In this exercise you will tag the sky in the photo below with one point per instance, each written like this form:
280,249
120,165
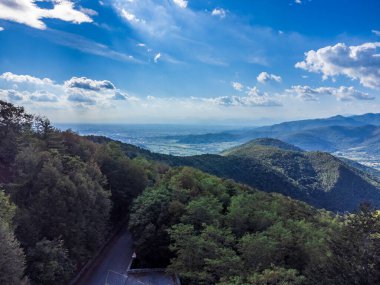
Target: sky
190,61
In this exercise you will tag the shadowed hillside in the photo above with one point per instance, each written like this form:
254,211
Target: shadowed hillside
271,165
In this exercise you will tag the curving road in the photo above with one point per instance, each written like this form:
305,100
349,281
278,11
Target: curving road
113,260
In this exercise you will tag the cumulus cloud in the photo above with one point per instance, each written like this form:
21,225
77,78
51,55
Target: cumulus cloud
341,93
252,98
376,32
1,29
237,86
11,77
89,84
11,95
181,3
219,12
356,62
28,12
77,91
120,96
36,96
43,96
265,77
298,1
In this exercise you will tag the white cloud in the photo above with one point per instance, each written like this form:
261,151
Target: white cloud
1,29
88,11
29,13
376,32
341,93
10,77
181,3
356,62
89,84
157,57
73,92
130,17
237,86
219,12
253,98
298,1
265,77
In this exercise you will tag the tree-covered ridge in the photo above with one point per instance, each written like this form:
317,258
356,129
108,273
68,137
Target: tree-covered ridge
317,178
215,231
69,193
265,142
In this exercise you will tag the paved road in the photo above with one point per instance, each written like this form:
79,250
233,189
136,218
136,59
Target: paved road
116,258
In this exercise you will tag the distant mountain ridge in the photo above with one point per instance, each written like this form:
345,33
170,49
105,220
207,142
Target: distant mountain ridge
282,130
337,133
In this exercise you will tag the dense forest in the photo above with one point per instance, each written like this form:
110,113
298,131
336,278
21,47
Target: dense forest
62,195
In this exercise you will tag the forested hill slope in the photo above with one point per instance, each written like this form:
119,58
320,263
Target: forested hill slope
328,181
317,178
251,147
61,195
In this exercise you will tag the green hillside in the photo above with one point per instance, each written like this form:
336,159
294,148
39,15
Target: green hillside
62,194
250,147
270,165
327,181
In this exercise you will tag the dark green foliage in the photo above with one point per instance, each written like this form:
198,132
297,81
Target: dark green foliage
12,258
13,122
217,229
49,263
355,252
125,179
63,186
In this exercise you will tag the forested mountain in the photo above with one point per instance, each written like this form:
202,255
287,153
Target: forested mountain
67,194
214,231
61,195
270,165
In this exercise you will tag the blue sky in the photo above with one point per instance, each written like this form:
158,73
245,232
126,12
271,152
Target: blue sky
196,61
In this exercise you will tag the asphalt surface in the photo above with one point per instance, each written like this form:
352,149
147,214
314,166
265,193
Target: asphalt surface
113,261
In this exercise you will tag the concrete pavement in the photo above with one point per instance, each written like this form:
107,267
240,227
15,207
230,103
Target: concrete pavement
113,261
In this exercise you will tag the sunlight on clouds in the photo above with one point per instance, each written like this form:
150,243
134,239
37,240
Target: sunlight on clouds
29,13
360,62
265,77
253,98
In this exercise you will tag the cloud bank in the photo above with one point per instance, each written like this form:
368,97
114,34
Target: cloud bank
341,93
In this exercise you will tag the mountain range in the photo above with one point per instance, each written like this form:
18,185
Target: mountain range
338,133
